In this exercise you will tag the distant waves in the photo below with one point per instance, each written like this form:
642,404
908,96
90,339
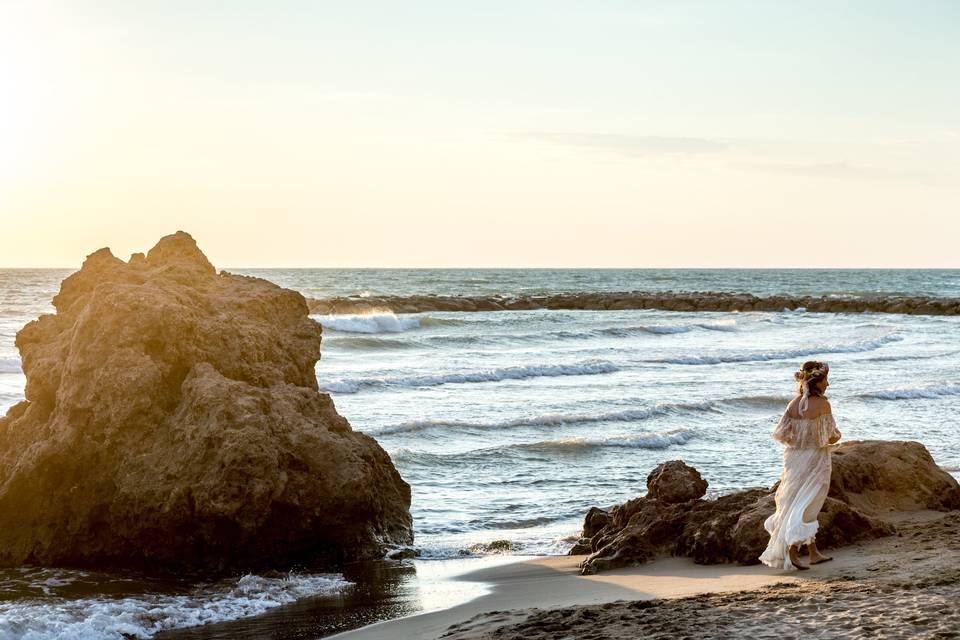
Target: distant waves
588,367
854,346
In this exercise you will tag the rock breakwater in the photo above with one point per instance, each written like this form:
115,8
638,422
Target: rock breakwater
695,301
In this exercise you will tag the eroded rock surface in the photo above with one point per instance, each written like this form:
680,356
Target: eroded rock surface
172,421
870,479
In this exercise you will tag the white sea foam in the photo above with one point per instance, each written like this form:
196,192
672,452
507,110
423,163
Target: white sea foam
759,356
10,365
910,393
551,419
370,323
586,368
143,616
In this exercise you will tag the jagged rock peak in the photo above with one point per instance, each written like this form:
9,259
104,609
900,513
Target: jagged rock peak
179,247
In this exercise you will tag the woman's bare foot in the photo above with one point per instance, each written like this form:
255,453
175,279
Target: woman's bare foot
815,556
795,558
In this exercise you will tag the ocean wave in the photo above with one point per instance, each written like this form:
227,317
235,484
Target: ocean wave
10,365
553,419
910,393
919,356
143,616
367,343
369,323
641,441
586,368
657,329
850,347
572,445
761,401
719,325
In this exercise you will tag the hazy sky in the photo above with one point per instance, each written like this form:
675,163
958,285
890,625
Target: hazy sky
516,133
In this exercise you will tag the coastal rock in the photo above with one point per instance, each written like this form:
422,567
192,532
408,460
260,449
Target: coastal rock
595,520
675,481
878,476
173,421
870,479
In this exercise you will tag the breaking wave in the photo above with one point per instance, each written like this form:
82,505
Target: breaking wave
586,368
553,419
911,393
850,347
641,441
369,323
144,615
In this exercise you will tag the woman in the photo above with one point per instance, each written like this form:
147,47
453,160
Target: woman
807,429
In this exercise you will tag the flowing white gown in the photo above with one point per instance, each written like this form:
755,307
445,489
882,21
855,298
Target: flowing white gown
803,485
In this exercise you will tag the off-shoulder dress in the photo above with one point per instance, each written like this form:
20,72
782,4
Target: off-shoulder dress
803,485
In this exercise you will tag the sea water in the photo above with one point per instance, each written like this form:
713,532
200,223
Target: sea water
510,425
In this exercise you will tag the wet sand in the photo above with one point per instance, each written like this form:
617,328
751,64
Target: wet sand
904,586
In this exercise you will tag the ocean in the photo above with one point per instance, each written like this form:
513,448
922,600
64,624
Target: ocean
510,425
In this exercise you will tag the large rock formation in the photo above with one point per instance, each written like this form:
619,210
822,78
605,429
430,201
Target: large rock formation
870,479
172,421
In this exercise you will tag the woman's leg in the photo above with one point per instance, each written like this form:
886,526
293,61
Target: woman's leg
815,556
795,557
809,515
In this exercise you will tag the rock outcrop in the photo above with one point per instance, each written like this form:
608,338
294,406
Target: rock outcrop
675,481
619,300
870,479
173,421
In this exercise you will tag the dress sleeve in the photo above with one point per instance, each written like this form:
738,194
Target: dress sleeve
828,429
784,432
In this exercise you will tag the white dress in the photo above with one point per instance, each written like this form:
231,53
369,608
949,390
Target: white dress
803,485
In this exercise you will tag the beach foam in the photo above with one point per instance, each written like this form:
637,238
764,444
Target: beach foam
143,616
369,323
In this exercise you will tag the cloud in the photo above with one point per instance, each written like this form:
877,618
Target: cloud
632,145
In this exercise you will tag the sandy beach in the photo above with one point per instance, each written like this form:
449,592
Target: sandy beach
903,586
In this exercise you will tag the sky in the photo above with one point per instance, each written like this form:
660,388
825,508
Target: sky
513,133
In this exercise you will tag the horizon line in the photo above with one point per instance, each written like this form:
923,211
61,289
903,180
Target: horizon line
530,268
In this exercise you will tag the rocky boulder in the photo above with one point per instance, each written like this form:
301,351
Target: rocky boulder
173,421
675,481
870,479
880,476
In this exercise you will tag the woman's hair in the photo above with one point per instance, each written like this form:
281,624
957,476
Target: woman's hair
810,375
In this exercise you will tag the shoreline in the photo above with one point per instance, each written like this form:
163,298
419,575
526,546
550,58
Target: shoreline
546,598
629,300
554,581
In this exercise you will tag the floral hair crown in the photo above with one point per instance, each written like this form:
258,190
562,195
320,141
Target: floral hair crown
821,369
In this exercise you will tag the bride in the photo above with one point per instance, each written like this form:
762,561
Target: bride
807,428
